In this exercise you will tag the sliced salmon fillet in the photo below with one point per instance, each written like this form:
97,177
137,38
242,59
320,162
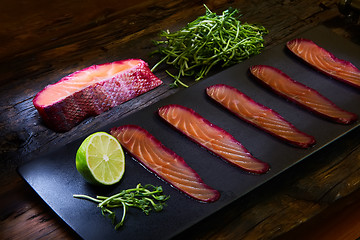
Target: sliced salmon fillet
301,94
258,115
325,61
91,91
163,162
212,137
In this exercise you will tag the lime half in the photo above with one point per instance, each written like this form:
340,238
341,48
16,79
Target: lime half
100,159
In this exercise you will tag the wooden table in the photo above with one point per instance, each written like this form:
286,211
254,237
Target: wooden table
42,41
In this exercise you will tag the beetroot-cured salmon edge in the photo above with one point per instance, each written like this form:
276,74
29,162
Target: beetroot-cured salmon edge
338,120
305,145
52,121
65,78
332,56
266,166
172,153
47,113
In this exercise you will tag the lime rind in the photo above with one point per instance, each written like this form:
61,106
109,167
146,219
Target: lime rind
100,159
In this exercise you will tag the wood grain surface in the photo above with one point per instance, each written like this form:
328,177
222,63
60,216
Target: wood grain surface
42,41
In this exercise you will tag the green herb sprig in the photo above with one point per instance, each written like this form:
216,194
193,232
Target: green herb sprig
146,198
208,41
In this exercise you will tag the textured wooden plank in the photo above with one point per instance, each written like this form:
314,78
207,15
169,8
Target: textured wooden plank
51,40
25,216
339,221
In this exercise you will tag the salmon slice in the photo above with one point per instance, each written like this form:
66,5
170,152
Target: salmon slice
212,137
258,115
163,162
301,94
325,61
91,91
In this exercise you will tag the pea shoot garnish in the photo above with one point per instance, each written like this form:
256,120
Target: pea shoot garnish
208,41
146,198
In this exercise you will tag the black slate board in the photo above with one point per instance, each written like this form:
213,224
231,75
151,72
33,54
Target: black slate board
55,179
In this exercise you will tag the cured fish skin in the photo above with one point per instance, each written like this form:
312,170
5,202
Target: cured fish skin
211,137
324,61
301,94
258,115
91,91
163,162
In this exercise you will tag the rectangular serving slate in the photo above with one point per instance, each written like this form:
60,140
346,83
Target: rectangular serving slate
55,179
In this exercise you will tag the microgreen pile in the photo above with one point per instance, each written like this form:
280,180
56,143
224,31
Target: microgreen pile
208,41
146,198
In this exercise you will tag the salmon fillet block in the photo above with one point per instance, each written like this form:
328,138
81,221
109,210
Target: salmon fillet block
92,91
